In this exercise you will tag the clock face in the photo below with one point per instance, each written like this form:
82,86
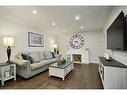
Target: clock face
76,41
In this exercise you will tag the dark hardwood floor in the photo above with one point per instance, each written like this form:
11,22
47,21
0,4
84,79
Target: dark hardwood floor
82,77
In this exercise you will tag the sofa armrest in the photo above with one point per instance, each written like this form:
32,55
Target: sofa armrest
23,67
21,62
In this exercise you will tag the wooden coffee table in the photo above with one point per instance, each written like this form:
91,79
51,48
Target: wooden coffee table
60,70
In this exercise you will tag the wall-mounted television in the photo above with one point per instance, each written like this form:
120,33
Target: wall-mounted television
116,34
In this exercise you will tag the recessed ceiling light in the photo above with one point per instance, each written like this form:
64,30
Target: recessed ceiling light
34,12
77,17
53,23
81,27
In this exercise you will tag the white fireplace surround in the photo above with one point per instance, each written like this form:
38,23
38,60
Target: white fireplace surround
84,55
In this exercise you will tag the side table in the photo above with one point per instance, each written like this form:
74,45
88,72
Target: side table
7,71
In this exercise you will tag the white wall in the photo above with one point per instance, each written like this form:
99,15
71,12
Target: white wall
120,56
93,41
20,34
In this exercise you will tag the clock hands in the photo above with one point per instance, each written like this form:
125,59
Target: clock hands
76,41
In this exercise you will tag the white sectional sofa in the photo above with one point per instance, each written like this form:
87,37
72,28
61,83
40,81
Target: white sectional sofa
42,60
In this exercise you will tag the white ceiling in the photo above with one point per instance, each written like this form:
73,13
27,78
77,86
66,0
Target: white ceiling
91,17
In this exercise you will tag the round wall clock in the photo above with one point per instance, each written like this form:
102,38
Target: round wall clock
76,41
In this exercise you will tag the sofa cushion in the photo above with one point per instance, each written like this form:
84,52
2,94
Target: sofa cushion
40,64
48,55
42,57
35,56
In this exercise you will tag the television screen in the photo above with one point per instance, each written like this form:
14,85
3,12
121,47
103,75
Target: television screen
116,34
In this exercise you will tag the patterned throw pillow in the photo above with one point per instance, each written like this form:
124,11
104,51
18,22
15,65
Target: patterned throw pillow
48,55
35,56
27,57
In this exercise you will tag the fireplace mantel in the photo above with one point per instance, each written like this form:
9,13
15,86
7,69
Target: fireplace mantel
84,55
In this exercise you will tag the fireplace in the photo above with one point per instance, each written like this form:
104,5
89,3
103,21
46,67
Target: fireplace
77,58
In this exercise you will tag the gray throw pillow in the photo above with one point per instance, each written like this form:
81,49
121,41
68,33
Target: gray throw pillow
35,56
27,57
48,55
53,55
